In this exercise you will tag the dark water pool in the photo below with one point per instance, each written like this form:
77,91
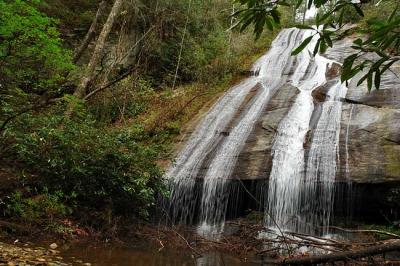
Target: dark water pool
125,256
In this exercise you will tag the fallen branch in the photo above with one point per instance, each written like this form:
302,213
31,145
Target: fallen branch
343,256
111,83
365,231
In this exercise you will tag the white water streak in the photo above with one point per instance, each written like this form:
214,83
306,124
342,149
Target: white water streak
347,141
287,172
204,138
322,164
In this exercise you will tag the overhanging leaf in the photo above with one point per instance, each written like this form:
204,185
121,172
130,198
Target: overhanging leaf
302,46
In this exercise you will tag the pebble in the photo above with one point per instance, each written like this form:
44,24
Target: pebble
53,246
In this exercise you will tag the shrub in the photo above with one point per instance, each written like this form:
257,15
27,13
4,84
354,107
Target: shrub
33,62
32,209
30,39
100,167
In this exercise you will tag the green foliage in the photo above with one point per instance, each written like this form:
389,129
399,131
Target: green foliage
194,35
33,209
127,100
72,14
33,62
383,40
260,14
30,39
98,167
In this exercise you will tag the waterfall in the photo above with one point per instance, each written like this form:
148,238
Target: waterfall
301,185
272,70
182,174
287,174
318,191
271,77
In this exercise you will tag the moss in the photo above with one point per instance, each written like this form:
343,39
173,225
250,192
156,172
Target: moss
255,216
392,159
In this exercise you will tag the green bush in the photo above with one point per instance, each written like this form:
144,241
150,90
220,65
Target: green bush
100,167
30,39
33,63
33,209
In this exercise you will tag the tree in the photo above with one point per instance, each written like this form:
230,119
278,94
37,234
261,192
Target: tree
91,32
80,91
32,59
383,34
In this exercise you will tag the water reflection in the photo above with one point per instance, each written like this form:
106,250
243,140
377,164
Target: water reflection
220,259
123,256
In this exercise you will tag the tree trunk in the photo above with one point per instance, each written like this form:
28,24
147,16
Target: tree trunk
182,42
91,32
80,92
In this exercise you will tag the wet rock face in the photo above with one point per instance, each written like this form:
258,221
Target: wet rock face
255,161
370,127
368,151
369,148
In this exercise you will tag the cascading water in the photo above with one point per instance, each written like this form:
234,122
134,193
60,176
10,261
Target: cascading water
318,191
300,192
272,70
184,170
287,174
271,77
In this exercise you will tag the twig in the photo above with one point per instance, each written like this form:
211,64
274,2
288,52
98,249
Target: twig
162,245
187,243
111,83
268,250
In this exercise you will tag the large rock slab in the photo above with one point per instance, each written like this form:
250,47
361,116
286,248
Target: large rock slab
370,144
370,125
255,161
